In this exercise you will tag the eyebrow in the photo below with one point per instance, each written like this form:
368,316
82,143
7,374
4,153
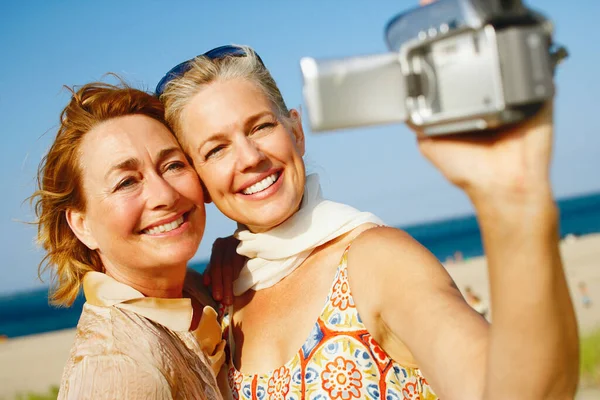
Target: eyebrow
253,118
249,121
127,165
133,163
168,152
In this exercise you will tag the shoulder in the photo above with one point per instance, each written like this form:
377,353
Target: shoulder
383,258
382,232
115,332
384,246
101,332
398,284
94,332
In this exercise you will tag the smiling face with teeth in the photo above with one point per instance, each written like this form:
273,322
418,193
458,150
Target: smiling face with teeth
144,206
248,156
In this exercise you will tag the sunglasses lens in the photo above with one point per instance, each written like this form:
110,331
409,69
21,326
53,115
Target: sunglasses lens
175,72
216,53
224,51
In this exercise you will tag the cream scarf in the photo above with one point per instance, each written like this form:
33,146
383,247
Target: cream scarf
275,254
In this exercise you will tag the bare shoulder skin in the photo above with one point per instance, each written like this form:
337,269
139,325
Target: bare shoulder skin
407,299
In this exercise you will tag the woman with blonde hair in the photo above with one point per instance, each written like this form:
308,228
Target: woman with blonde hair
331,303
120,213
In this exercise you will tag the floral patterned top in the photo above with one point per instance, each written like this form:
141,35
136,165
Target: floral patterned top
339,360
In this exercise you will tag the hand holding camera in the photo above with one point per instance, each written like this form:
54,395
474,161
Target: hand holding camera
513,159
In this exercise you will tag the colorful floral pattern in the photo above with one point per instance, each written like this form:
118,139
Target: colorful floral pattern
340,296
235,382
339,360
378,353
341,379
279,384
410,391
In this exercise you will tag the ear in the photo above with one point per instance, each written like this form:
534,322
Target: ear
78,224
207,198
297,131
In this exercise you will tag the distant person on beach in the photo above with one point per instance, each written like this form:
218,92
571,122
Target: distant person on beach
475,301
586,301
120,213
331,303
458,256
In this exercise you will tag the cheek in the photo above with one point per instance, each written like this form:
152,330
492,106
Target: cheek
199,223
217,177
116,219
282,146
189,187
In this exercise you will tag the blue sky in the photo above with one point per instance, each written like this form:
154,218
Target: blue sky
47,44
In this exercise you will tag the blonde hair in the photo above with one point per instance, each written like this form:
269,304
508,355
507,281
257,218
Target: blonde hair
203,71
59,181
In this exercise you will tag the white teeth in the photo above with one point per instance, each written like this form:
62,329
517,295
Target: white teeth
165,227
262,185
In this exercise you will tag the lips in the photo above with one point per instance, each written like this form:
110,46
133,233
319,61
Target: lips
262,184
166,225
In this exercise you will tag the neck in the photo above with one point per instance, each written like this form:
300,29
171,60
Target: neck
166,283
275,255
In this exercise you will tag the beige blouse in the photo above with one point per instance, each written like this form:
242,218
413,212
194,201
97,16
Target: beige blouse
128,346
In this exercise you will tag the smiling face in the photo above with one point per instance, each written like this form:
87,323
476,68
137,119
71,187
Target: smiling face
248,157
144,203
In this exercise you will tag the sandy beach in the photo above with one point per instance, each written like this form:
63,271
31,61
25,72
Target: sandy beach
34,363
581,257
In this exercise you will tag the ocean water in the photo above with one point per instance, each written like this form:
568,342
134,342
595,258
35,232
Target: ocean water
29,313
578,216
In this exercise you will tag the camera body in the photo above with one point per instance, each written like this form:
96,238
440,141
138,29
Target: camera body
455,66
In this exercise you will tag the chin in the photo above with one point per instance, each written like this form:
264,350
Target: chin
180,254
265,224
277,221
176,259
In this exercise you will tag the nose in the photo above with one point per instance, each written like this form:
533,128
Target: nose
248,154
160,194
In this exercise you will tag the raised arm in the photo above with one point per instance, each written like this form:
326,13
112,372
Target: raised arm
533,341
531,349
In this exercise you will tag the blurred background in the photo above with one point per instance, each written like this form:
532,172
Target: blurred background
47,44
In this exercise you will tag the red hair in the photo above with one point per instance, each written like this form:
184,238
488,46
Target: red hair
59,186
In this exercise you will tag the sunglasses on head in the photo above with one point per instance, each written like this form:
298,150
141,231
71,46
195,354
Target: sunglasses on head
214,54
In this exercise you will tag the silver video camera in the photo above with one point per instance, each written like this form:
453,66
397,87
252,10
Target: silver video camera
455,66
